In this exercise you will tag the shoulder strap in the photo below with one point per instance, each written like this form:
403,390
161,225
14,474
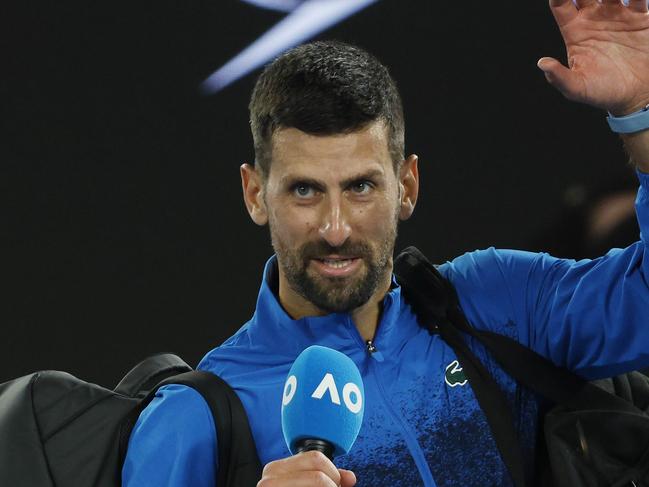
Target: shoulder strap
139,381
557,384
435,302
425,290
239,464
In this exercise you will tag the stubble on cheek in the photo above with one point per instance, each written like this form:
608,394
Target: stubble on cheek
332,294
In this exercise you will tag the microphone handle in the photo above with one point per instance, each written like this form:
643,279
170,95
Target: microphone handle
317,445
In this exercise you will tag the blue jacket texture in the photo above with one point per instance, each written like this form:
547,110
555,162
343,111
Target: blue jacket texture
422,424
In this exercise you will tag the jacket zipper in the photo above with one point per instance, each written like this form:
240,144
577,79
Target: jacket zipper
372,351
411,442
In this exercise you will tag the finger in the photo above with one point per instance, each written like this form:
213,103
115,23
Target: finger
303,462
638,5
563,79
563,10
612,2
313,478
347,478
585,3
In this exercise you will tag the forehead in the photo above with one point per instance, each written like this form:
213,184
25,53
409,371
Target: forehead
332,155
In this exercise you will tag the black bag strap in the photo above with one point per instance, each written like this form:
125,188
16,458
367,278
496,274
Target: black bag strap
531,369
557,384
435,302
139,381
238,462
428,296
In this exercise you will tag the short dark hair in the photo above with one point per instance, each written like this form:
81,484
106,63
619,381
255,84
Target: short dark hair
324,88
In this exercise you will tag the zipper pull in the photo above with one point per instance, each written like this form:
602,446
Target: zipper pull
372,350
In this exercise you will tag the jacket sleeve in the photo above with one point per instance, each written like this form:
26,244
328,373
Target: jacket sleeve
173,443
591,316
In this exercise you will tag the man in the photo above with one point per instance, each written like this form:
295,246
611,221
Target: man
331,181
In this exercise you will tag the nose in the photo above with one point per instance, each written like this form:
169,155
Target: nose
334,227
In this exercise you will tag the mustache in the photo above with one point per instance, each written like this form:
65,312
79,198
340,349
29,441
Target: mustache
320,249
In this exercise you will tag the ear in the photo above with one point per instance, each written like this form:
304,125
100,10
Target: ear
408,186
253,194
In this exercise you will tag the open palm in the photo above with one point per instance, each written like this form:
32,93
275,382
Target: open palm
608,53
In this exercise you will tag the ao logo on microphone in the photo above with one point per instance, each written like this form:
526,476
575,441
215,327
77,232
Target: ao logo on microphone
351,393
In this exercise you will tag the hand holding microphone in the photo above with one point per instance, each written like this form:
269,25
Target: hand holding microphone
322,413
306,469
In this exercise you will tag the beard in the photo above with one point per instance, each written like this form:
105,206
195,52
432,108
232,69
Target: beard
336,294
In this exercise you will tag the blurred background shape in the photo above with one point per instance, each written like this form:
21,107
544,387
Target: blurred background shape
306,19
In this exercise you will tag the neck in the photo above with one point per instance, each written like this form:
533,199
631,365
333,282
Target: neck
365,317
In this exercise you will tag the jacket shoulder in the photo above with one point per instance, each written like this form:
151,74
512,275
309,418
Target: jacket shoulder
173,442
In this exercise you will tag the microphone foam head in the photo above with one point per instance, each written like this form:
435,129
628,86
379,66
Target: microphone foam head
323,399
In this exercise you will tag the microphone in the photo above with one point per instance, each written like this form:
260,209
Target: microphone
323,402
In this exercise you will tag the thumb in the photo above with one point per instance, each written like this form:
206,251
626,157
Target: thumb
347,478
569,83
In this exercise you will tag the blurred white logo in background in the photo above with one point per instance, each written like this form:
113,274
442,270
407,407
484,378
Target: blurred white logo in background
305,19
281,5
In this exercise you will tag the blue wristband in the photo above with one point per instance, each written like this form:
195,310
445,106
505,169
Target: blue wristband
634,122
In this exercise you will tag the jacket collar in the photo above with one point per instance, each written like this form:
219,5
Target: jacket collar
272,325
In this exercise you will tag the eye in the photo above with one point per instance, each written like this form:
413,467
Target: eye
302,190
362,187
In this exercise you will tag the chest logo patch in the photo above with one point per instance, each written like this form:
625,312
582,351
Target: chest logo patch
454,375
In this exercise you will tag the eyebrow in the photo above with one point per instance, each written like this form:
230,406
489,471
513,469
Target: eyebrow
372,174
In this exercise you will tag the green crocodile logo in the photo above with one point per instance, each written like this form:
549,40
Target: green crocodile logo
454,375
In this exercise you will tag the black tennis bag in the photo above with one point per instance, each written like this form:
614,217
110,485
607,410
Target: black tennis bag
59,431
597,433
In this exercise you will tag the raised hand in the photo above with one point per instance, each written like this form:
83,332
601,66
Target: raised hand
608,54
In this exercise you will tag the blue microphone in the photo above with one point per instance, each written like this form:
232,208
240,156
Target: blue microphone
323,402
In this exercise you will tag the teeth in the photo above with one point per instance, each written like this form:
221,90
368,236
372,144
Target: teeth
337,264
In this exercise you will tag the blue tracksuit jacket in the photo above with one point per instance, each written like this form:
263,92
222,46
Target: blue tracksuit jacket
422,424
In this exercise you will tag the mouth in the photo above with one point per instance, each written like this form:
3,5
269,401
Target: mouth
337,266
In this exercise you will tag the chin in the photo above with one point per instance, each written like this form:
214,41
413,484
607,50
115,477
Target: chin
327,299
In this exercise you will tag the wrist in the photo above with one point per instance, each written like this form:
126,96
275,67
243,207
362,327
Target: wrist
637,147
630,107
631,123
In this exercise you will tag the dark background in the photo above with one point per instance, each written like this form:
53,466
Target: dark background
122,227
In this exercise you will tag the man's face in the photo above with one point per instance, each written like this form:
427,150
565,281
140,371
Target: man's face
332,205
